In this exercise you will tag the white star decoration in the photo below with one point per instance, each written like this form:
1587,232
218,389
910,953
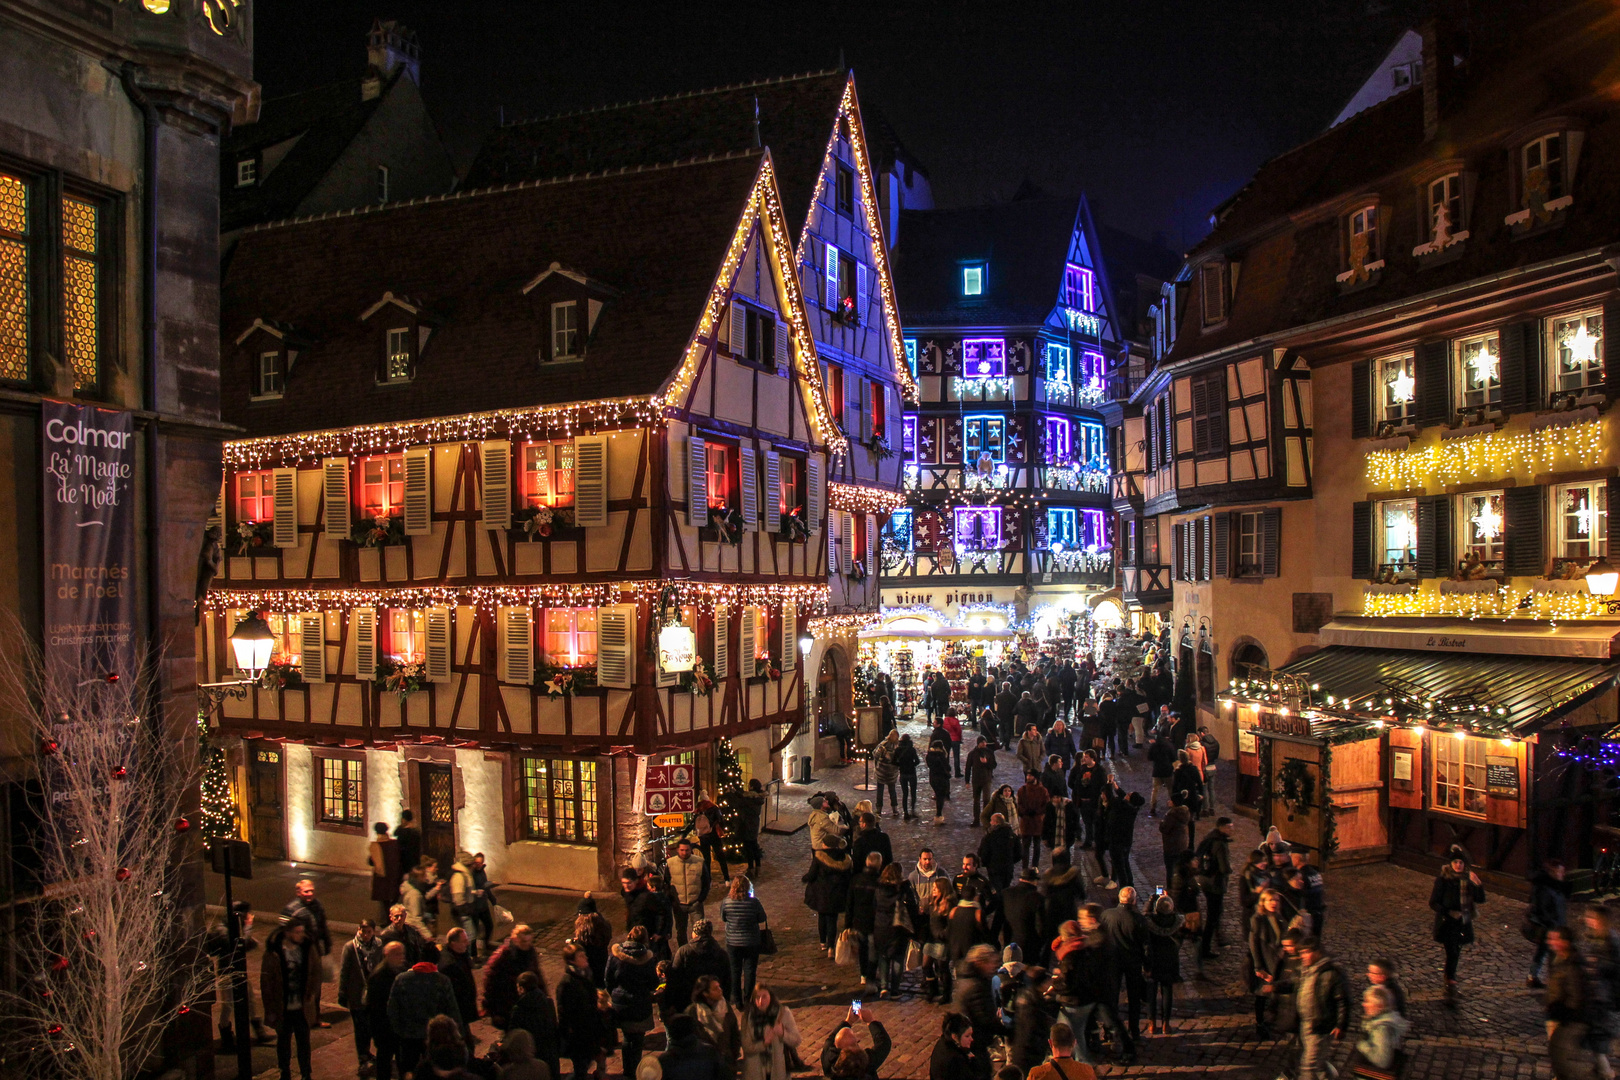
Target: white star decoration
1401,533
1483,364
1487,521
1582,348
1582,511
1401,387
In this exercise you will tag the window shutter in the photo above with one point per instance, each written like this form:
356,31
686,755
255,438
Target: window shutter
737,329
1223,541
1361,399
831,296
866,412
750,488
833,561
846,525
1361,549
1200,409
1271,541
854,421
784,347
591,481
812,492
1433,391
771,508
863,294
697,482
871,543
216,520
284,530
339,522
790,637
1206,547
1517,341
232,618
364,622
746,645
1523,510
615,646
437,622
418,491
312,646
722,644
1434,536
1611,351
496,466
516,641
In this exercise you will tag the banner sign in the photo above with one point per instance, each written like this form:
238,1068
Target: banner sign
88,486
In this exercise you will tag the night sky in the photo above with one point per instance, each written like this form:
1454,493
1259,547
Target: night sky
1158,109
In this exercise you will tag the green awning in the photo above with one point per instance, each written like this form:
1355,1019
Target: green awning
1532,691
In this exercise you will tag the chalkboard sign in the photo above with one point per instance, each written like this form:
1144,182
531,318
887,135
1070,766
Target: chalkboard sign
1502,776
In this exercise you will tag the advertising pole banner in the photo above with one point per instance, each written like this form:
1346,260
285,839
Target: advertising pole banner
88,458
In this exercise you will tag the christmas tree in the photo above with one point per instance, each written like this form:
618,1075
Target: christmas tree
1121,656
218,817
729,781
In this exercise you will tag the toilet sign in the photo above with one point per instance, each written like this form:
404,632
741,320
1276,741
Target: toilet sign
670,789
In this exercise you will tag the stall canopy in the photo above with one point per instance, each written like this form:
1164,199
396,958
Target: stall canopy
1532,691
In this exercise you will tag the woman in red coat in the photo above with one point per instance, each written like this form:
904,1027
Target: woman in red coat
1032,802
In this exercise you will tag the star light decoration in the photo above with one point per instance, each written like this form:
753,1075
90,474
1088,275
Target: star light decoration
1582,348
1402,387
1484,363
1487,520
1581,509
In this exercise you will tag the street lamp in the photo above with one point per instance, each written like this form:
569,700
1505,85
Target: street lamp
251,644
1601,581
807,722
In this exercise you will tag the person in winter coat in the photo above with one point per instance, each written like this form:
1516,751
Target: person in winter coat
463,902
290,987
1382,1030
1254,880
750,807
1032,1016
1161,757
517,1051
500,979
632,976
1031,752
455,964
824,822
999,852
906,760
1121,834
974,1001
718,1023
1569,1006
953,1056
1549,907
939,777
843,1058
937,908
1599,947
379,987
953,730
826,890
383,856
535,1015
1086,783
884,772
1060,742
701,956
1004,802
1454,899
1187,780
1033,799
1163,962
1062,825
894,920
1264,974
981,772
399,928
593,934
1214,862
304,906
689,882
1006,706
965,926
1198,756
360,956
1023,912
1322,1000
860,913
1174,829
1065,892
581,1033
768,1033
419,994
689,1057
869,838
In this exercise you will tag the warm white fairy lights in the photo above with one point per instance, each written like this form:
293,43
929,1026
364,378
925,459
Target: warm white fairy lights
1525,605
860,499
703,595
1489,455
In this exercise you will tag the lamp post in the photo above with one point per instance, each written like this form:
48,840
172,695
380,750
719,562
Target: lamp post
807,725
251,644
1601,581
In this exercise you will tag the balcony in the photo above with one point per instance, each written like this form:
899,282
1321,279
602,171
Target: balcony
1125,378
1126,491
1074,568
906,567
1148,587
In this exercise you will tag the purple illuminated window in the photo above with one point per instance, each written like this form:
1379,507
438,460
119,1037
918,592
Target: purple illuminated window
908,437
1094,529
984,358
978,528
1079,288
1059,447
1092,369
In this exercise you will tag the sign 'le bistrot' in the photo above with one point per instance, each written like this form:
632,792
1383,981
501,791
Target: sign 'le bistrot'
88,489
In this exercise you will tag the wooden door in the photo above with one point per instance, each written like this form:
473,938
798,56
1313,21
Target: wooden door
267,796
438,814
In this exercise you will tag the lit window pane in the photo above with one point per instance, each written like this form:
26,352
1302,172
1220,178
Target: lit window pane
81,298
13,278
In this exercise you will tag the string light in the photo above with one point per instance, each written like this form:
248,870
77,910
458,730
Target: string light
1505,602
1489,455
810,599
832,626
860,499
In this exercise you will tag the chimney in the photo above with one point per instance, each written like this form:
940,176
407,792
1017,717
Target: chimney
1431,79
1446,42
390,45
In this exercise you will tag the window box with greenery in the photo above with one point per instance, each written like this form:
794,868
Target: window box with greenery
725,525
847,313
399,676
699,682
281,675
533,523
794,530
766,668
560,682
857,570
384,530
251,538
879,445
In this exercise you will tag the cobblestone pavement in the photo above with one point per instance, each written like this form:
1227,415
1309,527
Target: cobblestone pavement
1373,911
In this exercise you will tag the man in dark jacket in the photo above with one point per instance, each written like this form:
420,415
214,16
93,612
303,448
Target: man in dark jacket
1006,714
417,948
952,1057
500,977
1549,907
379,986
1126,931
536,1013
977,1004
1085,787
1085,977
1022,911
1065,892
869,837
1173,834
981,770
842,1056
305,907
1115,716
1322,999
1162,756
998,852
860,912
1214,867
360,956
689,1057
418,995
455,964
702,956
409,838
642,907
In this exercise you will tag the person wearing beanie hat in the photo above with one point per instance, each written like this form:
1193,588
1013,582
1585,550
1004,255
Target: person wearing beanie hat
1455,899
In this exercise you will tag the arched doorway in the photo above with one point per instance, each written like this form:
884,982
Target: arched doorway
828,699
1247,653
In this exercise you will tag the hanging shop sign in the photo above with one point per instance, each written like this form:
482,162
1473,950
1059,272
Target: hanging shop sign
670,789
677,648
88,489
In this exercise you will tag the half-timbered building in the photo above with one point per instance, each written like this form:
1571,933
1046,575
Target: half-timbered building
501,442
839,203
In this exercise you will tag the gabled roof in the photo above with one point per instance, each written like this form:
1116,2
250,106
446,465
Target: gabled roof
796,115
658,235
1023,243
324,121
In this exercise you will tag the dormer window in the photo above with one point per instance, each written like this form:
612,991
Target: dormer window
247,172
1363,236
1446,205
973,279
1079,288
398,356
565,330
759,337
844,188
270,378
1212,285
1544,178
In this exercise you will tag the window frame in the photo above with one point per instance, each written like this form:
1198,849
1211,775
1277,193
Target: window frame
105,299
992,360
1452,193
265,496
1062,526
1540,143
974,278
1059,444
724,495
984,421
247,172
1389,411
1595,374
391,507
382,184
1494,548
848,297
554,449
1405,568
565,338
1248,535
992,514
271,368
877,408
414,634
843,188
1452,771
577,655
399,355
348,760
759,337
1214,272
1491,387
903,535
787,485
1079,280
586,816
286,628
1597,492
1367,214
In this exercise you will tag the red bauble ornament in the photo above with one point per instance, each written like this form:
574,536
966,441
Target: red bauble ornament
120,773
89,935
112,676
182,825
123,873
49,746
54,1029
59,964
185,1010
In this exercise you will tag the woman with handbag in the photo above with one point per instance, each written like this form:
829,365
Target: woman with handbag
744,917
1456,896
770,1038
893,925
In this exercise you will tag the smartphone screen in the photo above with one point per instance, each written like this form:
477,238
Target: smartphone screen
856,1005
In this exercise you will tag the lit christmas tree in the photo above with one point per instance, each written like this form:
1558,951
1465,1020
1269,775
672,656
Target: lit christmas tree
218,817
729,781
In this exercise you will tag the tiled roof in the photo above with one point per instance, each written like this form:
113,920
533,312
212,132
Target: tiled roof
655,236
1284,229
796,116
324,120
1023,243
